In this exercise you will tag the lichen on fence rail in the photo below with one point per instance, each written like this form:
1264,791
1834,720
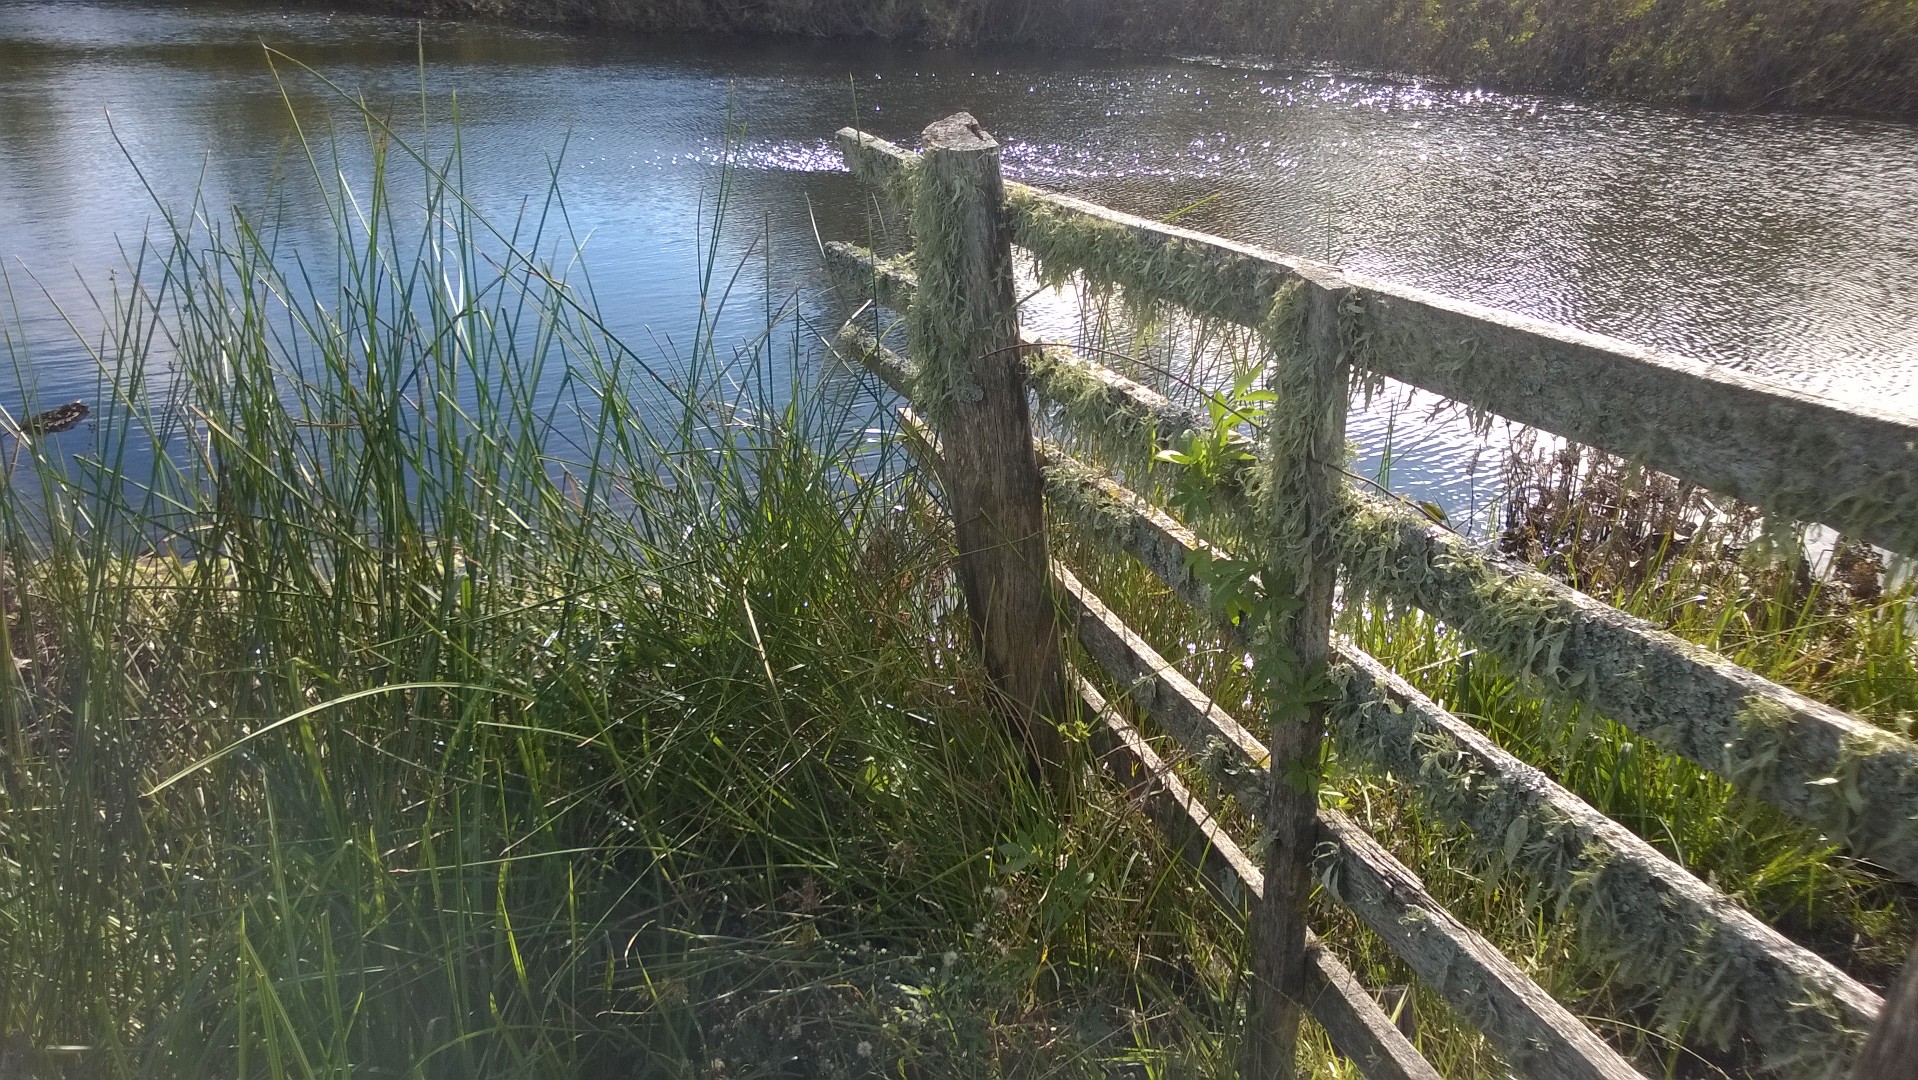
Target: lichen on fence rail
1722,972
1856,782
1796,455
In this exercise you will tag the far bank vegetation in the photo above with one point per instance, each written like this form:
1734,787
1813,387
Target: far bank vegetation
1847,55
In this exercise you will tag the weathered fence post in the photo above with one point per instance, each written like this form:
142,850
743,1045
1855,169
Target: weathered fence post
1892,1051
963,333
1309,376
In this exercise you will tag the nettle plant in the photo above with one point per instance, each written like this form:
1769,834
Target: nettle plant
1253,578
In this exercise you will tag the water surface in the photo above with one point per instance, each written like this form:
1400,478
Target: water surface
1782,246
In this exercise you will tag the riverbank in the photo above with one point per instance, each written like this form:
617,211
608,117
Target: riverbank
403,717
1853,56
408,716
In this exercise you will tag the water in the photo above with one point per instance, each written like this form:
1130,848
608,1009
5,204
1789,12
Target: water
1776,245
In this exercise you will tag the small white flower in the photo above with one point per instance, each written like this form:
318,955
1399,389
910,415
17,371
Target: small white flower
864,1048
950,958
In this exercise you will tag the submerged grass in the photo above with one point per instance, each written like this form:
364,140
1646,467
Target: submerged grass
410,679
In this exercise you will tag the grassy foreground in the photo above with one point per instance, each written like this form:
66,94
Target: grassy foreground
460,694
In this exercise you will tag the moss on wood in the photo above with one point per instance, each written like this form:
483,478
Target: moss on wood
1713,974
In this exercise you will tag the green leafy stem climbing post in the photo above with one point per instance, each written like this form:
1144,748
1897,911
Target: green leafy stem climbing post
963,332
1308,389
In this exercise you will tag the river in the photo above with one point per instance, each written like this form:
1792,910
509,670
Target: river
1783,246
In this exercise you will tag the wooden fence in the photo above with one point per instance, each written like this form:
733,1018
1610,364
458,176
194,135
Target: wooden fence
1720,971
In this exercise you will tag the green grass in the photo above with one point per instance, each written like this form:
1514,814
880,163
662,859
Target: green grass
462,693
1681,559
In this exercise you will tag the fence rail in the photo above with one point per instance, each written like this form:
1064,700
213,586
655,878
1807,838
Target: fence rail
1776,744
1796,455
1722,973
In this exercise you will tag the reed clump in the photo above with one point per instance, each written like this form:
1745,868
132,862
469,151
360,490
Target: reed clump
1834,624
408,678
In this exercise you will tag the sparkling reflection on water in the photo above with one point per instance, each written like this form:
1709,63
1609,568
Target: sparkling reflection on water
1776,245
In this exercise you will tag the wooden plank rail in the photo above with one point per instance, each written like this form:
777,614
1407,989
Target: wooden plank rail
1534,1033
1719,973
1855,782
889,282
1358,1027
1790,1002
1796,455
1772,742
893,370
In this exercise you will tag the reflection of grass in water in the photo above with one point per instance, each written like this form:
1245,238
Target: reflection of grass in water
406,719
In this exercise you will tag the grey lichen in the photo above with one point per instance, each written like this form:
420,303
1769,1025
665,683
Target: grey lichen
1871,771
939,328
1114,427
1752,758
1513,616
1149,266
1074,494
1707,983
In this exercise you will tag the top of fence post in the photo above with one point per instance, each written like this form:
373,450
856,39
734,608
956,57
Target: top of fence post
963,332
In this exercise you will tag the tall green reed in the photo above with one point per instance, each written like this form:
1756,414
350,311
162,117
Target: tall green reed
412,679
